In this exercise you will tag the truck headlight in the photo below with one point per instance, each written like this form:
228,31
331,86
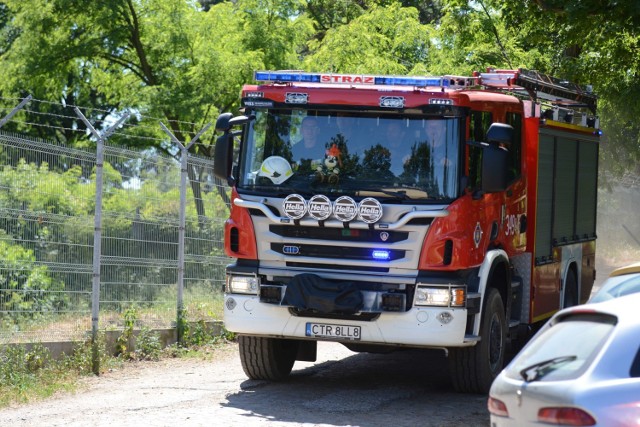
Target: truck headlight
442,296
243,285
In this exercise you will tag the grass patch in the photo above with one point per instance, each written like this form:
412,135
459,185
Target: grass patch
28,373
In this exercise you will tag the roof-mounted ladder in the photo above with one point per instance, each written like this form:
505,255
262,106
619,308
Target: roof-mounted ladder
540,86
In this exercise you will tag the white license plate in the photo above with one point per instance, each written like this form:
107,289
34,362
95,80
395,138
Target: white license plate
324,330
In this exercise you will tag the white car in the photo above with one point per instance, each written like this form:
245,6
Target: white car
581,369
622,281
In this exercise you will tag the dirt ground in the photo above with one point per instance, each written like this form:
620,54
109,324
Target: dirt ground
341,389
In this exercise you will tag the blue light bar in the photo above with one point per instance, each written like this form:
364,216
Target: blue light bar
411,81
284,76
380,254
360,79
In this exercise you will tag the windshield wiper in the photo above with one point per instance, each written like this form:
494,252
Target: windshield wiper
279,190
540,369
400,194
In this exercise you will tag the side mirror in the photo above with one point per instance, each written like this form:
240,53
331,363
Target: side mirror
494,169
222,124
223,153
495,158
226,121
223,157
500,133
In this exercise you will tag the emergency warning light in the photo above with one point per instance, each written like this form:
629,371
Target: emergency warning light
381,254
297,76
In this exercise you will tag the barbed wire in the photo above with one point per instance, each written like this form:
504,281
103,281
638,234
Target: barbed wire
83,108
141,130
24,122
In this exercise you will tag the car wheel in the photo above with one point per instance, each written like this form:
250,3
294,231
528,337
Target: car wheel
473,369
267,358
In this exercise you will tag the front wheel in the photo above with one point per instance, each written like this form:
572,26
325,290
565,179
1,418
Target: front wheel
267,358
473,369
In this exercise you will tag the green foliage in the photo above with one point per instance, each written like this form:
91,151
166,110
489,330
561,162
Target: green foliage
29,373
20,372
199,334
591,42
146,342
196,334
40,188
24,286
165,58
148,345
383,40
123,342
81,360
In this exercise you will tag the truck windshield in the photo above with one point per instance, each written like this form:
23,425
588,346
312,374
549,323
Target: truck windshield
393,157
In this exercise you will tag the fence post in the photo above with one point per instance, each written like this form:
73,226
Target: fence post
184,151
97,236
15,110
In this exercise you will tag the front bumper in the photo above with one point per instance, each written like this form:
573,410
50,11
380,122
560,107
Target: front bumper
417,327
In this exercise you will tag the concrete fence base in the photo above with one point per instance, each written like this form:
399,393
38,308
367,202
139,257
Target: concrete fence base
168,337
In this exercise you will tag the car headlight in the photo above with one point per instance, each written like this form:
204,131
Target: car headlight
243,285
441,296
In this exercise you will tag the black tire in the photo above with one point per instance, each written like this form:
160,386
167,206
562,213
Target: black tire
473,369
570,290
267,358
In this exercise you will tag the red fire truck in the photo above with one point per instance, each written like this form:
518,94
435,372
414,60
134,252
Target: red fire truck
385,212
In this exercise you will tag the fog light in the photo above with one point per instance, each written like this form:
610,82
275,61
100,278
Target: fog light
230,304
243,284
445,317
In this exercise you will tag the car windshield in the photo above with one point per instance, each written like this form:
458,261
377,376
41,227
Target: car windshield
562,351
390,157
617,286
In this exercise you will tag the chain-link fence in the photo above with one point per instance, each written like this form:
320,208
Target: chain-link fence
159,220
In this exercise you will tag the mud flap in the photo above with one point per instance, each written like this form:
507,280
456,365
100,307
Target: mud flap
311,292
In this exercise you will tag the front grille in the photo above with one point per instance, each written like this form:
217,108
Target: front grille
337,267
341,234
337,252
366,317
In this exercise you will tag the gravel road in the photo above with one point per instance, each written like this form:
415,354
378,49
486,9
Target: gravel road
342,388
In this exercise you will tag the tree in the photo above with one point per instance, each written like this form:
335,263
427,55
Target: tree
592,42
383,40
165,59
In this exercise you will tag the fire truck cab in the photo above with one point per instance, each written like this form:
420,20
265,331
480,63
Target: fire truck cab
388,211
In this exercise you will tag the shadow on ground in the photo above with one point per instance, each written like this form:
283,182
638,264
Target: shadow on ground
409,387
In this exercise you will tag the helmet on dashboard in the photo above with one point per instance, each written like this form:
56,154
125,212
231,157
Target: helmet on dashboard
276,168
